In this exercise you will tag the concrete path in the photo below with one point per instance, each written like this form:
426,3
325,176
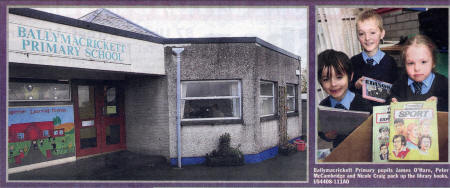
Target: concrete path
130,166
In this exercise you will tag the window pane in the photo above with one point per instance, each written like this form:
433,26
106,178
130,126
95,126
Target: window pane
267,107
88,137
210,89
86,105
211,108
291,103
212,99
266,89
113,134
111,102
290,97
20,91
290,90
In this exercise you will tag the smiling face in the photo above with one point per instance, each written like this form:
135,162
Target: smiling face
418,62
335,84
369,35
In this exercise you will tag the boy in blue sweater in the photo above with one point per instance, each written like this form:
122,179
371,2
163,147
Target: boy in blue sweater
372,62
334,74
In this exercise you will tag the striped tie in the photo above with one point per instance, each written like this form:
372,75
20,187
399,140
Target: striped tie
417,88
370,61
340,106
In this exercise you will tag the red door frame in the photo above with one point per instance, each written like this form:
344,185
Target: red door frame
101,121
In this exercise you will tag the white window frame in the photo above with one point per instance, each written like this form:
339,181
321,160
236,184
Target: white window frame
290,97
268,96
238,96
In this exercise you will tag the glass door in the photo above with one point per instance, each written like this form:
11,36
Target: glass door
113,118
99,118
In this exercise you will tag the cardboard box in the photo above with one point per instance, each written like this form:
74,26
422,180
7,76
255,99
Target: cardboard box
357,147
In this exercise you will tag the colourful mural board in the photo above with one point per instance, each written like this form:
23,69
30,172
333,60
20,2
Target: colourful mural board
39,134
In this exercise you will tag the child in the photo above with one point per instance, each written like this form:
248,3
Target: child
334,75
372,62
421,82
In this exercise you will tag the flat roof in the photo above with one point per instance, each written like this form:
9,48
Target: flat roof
36,14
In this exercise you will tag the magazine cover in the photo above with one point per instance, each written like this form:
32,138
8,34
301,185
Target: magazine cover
380,133
341,121
413,134
375,90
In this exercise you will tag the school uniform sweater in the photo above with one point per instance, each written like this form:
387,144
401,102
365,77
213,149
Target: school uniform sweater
385,70
439,88
358,104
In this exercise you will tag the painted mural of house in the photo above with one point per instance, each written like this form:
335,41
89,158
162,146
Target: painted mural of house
31,131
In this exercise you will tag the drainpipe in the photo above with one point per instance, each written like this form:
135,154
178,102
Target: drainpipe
178,51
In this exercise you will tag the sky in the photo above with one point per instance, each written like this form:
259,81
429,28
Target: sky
284,27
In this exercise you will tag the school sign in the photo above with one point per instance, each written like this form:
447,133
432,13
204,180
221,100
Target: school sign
72,45
47,43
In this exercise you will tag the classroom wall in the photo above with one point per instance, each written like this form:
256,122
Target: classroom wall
224,61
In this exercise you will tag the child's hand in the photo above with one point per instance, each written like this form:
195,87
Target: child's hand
395,99
432,98
331,135
358,83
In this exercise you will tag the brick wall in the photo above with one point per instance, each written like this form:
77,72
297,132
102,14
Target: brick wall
147,124
400,23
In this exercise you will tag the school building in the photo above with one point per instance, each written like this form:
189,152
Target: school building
99,84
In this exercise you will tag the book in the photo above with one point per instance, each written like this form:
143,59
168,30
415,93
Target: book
413,131
375,90
323,153
339,120
380,133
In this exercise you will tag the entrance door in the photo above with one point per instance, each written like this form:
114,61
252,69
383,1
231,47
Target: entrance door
99,118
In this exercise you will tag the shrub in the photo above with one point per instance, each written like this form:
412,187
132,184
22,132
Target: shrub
225,155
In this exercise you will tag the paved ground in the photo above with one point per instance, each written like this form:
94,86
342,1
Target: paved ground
131,166
125,165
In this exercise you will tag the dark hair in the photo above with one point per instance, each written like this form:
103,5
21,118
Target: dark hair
382,144
398,120
333,59
401,137
420,140
383,129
